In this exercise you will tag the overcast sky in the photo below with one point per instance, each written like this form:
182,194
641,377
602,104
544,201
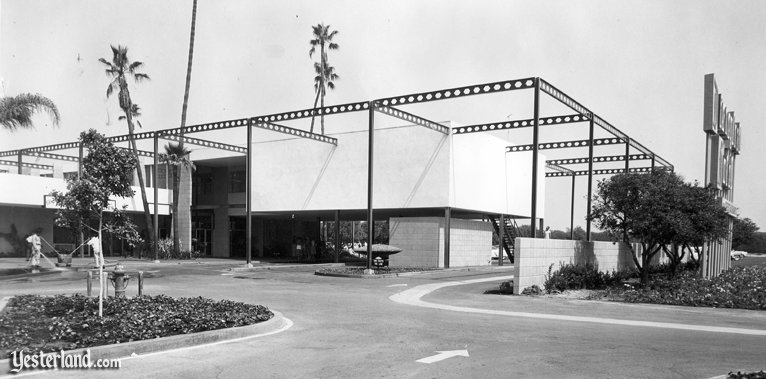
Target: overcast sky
638,64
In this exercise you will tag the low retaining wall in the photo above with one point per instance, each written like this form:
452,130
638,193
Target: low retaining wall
534,256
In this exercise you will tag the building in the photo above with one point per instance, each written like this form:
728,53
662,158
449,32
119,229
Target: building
444,188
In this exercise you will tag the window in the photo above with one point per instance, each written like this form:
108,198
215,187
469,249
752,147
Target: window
237,181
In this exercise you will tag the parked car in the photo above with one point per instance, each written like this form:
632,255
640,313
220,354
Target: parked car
738,254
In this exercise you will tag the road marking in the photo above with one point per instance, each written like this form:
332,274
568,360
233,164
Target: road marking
442,355
412,297
398,285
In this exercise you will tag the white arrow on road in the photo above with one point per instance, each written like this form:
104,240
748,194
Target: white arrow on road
443,355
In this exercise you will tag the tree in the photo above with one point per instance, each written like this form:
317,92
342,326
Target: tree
178,157
743,232
640,207
701,220
325,74
120,68
17,111
106,173
182,162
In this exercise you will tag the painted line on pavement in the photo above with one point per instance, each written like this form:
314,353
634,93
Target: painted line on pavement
413,296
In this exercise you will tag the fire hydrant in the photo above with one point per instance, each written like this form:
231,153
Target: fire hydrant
119,280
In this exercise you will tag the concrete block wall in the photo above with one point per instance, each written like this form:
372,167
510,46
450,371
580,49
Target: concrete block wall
422,242
533,257
419,238
470,243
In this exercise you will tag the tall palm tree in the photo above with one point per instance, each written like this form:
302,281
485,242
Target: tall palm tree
120,68
323,38
16,111
184,213
176,156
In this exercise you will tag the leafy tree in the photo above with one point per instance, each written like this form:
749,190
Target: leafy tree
107,171
178,157
700,219
640,207
17,111
325,74
119,69
743,232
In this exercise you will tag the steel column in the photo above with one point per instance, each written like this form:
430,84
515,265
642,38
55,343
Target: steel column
627,154
535,152
652,169
20,158
337,235
500,235
370,151
571,211
447,226
590,176
248,195
155,174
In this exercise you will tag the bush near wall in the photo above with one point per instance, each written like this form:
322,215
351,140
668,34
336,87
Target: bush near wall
574,277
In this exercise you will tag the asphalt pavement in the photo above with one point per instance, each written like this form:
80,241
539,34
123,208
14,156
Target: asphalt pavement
351,328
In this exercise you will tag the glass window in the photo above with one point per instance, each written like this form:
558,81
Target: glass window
237,181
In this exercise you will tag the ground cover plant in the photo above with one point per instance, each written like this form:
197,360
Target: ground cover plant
35,323
738,287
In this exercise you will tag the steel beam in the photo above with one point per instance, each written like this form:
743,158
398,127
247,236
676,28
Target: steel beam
562,97
477,89
516,124
608,171
206,143
564,144
207,127
597,159
306,113
535,154
25,164
51,156
136,136
20,161
292,131
417,120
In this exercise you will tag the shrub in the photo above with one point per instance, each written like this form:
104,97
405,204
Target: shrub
579,276
532,290
165,251
48,323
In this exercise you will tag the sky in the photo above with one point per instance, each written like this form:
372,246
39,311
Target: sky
638,64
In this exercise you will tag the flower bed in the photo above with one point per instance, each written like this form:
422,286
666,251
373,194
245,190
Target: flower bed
39,323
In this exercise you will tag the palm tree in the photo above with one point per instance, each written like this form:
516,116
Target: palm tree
135,111
184,213
120,68
323,38
16,111
178,157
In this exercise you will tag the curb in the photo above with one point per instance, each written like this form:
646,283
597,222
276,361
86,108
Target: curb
256,268
142,347
413,273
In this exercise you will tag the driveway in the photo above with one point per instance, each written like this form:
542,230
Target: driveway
350,328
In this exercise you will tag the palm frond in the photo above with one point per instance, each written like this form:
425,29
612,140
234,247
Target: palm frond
141,77
17,111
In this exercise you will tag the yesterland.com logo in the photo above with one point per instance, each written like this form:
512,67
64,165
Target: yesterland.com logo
21,360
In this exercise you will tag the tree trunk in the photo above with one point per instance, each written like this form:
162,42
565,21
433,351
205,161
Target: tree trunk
323,64
139,171
176,196
321,118
316,99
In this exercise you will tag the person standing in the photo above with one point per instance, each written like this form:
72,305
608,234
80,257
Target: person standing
35,244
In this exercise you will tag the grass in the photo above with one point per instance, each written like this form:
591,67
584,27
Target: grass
35,323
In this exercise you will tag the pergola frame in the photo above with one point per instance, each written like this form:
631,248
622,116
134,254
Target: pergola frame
386,106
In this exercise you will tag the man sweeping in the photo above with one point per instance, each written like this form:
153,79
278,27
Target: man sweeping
36,244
